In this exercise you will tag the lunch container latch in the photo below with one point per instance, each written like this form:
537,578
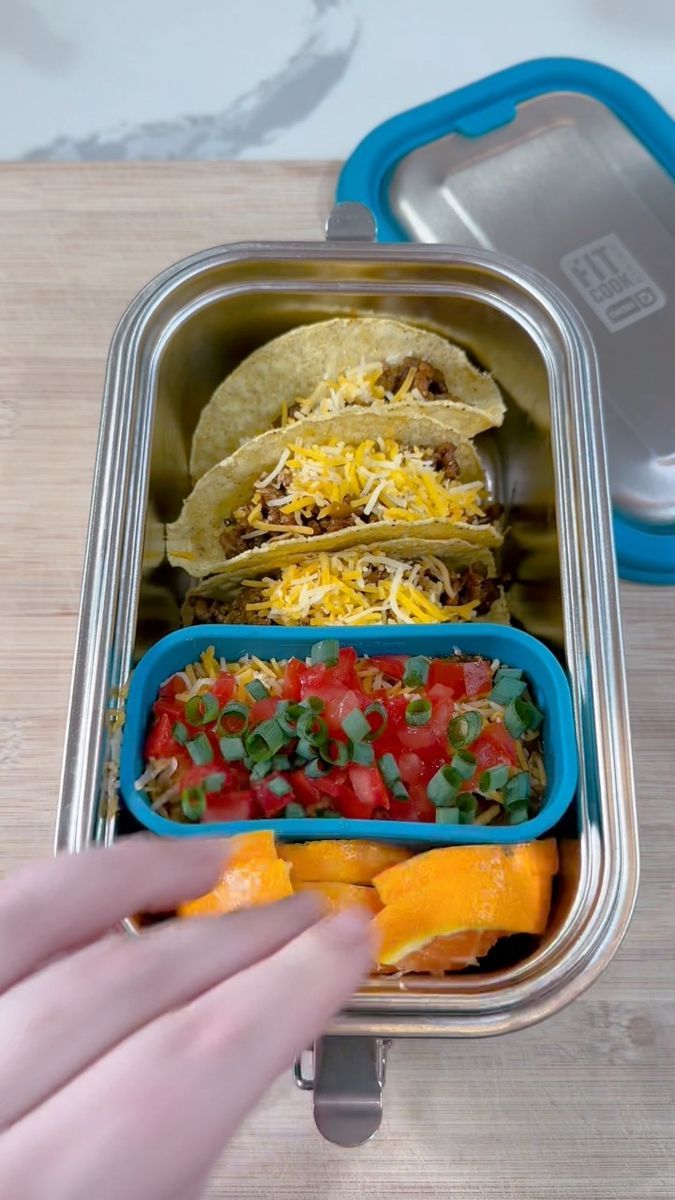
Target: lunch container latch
347,1078
350,222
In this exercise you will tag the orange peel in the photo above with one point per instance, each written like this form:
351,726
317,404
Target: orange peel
253,874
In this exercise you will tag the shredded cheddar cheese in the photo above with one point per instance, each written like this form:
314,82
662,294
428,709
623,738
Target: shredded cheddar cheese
358,588
356,386
377,479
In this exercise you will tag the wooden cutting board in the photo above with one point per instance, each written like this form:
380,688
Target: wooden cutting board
579,1108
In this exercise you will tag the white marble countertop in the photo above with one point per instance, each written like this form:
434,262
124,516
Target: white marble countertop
280,79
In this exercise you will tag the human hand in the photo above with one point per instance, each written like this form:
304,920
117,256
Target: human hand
127,1063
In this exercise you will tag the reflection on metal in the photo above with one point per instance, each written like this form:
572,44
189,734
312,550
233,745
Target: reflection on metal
174,345
347,1083
568,189
350,222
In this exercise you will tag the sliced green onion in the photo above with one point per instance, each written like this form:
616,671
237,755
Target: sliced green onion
293,809
468,807
201,709
356,726
265,739
447,816
232,719
281,762
287,715
418,711
331,813
200,750
362,753
507,688
392,777
416,671
520,715
312,728
508,672
279,786
257,690
443,787
464,763
316,768
464,729
326,652
231,748
193,803
375,731
213,783
517,814
260,769
180,733
334,752
494,779
314,702
517,790
304,750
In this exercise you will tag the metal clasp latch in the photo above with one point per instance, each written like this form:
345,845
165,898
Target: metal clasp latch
350,222
347,1081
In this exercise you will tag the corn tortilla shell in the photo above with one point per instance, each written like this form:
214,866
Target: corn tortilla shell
455,554
193,540
250,401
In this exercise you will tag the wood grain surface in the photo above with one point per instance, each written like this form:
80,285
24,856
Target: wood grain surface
580,1108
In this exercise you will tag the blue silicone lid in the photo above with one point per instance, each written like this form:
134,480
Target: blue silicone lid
645,553
546,679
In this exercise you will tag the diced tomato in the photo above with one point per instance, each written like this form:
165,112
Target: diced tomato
411,767
417,808
314,680
339,702
464,680
262,710
172,688
449,674
223,688
269,802
291,682
494,747
369,786
306,790
477,678
391,665
231,806
160,742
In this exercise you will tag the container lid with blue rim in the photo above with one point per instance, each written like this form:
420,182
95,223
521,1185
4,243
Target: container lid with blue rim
569,167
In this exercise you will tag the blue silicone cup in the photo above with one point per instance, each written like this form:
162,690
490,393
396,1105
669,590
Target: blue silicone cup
546,680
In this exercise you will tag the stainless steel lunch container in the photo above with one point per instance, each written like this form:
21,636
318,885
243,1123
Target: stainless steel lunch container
176,341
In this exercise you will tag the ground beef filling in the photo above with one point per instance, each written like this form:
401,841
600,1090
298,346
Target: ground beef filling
474,584
427,380
329,519
221,612
470,584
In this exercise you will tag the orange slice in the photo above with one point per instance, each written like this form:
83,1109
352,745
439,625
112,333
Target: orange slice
339,896
487,889
454,952
340,862
253,875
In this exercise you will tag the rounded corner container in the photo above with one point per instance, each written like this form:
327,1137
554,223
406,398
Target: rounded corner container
178,339
545,677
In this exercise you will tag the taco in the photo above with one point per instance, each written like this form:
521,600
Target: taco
407,582
355,480
330,367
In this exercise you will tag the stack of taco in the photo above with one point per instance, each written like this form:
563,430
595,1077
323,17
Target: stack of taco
336,482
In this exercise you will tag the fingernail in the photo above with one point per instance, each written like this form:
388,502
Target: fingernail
349,928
